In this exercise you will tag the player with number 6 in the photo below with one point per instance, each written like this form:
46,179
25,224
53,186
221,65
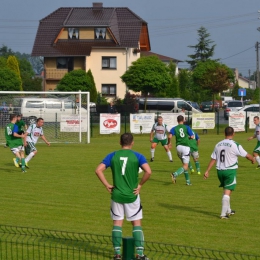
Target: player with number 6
225,155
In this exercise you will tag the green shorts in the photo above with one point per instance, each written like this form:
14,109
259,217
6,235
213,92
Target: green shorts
257,148
30,147
227,179
163,142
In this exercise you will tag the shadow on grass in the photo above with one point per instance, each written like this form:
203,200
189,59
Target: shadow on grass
188,208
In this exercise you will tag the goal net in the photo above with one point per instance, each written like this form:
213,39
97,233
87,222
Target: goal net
66,114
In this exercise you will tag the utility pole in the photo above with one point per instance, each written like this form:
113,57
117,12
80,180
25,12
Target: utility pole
257,64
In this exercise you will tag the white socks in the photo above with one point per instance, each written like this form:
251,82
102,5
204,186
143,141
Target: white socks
29,157
169,155
225,205
258,159
152,152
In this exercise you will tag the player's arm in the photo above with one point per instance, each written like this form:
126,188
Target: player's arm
151,134
251,137
170,140
147,173
100,173
211,163
15,132
45,140
251,158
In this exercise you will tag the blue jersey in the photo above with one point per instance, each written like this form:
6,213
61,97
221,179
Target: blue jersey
124,164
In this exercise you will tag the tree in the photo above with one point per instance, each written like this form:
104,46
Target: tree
5,51
148,75
93,91
12,63
213,76
3,62
32,84
74,81
203,50
185,80
9,80
235,91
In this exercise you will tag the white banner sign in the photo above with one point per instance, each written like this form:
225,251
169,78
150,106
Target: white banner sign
203,120
110,123
237,120
251,119
70,123
170,119
141,123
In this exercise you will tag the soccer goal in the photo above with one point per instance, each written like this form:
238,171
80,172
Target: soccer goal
66,114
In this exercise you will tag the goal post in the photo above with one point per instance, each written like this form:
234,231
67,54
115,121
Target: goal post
66,114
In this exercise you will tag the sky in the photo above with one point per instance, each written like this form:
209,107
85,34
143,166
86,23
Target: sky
172,25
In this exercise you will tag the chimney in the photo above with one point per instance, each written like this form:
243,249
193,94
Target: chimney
97,5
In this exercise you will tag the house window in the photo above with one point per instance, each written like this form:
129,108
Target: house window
65,63
108,62
73,33
100,33
109,90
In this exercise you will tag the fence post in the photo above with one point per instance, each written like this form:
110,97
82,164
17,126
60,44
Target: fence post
218,122
125,122
246,122
56,126
91,125
128,248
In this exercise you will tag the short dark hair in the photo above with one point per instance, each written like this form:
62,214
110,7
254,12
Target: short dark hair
12,116
38,119
256,117
229,131
180,118
126,139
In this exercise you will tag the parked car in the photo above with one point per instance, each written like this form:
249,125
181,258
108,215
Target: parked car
207,106
232,106
250,108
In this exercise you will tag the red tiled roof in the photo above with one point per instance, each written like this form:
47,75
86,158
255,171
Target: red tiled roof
124,24
161,57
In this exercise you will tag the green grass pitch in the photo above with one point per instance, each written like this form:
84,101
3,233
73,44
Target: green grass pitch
61,191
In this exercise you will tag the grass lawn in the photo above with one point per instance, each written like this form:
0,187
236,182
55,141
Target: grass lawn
61,191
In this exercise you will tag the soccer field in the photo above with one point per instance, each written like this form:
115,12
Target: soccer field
61,191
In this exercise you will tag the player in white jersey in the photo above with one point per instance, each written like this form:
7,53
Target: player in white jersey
225,155
256,151
159,131
32,135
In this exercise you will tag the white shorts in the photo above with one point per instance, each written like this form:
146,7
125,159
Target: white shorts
17,149
183,153
195,155
132,211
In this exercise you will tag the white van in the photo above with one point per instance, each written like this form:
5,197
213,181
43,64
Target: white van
50,109
167,105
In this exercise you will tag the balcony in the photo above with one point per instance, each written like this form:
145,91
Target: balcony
55,74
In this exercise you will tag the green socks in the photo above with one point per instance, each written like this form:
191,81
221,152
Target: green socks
117,239
197,166
139,239
179,172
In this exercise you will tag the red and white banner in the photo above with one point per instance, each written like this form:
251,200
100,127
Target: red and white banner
237,120
110,123
71,123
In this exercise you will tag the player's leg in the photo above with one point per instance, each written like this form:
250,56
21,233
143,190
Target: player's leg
153,146
22,158
17,158
190,165
256,153
31,151
183,153
195,156
134,213
166,148
227,180
117,215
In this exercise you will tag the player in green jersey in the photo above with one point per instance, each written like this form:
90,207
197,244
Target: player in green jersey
194,151
125,199
15,142
22,127
182,135
225,155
